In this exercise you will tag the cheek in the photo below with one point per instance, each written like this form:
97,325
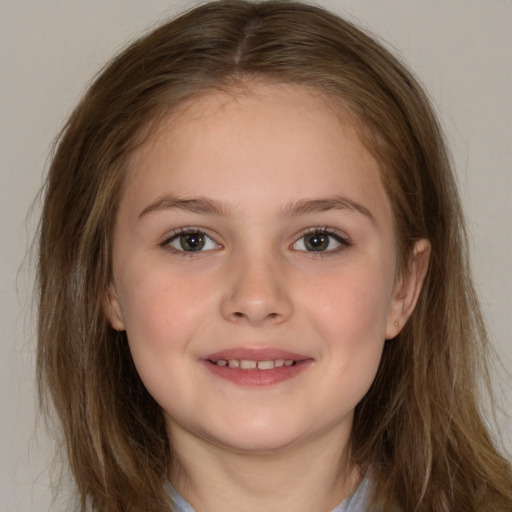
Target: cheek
159,319
350,310
160,325
353,320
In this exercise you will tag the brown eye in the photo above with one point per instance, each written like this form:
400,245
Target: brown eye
317,242
192,241
320,241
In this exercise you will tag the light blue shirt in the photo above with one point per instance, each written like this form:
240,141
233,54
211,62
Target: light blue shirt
354,503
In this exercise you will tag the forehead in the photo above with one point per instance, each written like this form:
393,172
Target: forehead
225,105
255,140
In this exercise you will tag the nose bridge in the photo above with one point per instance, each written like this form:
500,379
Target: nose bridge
256,289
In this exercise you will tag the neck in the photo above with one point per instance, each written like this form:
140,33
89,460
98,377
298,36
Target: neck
300,478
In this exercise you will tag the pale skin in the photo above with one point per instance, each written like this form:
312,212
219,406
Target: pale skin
289,245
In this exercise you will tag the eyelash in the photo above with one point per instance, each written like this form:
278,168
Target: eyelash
343,241
328,232
166,244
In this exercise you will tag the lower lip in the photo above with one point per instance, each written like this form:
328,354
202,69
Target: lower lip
255,377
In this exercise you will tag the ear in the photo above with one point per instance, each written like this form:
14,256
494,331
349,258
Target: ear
407,288
112,309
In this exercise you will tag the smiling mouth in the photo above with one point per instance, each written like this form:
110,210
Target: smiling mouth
248,364
263,371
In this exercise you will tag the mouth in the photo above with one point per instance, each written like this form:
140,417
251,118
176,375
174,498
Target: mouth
251,364
258,367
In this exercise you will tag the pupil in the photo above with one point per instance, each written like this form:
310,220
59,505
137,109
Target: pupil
192,241
317,242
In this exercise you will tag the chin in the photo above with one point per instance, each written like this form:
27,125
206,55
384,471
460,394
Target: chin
254,438
260,445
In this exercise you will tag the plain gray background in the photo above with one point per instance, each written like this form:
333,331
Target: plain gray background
460,49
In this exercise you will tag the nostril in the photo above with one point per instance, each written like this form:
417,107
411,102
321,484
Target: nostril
238,316
256,308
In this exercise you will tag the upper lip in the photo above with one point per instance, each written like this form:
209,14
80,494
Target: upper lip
256,354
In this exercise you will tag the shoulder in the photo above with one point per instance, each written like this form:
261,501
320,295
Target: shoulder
358,500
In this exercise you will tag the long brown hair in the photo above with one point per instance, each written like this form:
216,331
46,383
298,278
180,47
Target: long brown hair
418,433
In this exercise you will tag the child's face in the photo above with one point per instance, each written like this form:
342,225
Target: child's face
254,229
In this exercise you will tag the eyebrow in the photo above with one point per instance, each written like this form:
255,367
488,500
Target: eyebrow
323,204
194,205
203,205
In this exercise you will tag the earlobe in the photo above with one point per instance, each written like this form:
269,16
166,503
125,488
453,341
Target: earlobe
407,288
112,309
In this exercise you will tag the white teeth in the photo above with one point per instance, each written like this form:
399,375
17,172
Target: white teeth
266,365
248,364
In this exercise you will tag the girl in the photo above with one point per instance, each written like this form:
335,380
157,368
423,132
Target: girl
254,289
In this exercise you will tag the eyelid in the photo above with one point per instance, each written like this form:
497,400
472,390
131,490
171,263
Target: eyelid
176,233
341,238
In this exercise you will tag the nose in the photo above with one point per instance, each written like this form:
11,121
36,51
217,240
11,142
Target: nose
256,292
